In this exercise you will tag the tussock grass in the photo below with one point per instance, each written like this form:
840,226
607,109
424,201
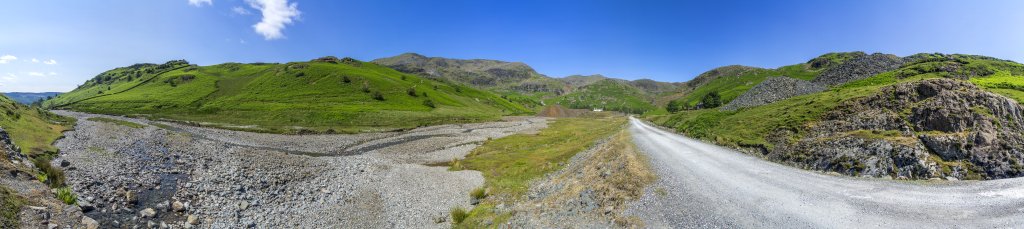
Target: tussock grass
458,215
64,194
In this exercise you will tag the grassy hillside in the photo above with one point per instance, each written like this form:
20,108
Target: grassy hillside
608,94
323,95
32,129
750,126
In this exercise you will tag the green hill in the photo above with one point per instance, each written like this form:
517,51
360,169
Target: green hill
323,95
31,128
607,94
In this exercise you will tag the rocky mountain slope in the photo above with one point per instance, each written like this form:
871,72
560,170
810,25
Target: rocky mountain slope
771,90
519,81
917,117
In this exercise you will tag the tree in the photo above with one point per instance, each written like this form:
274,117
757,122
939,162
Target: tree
345,79
429,103
366,87
711,100
378,96
674,106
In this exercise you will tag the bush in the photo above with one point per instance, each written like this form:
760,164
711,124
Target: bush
459,215
378,96
345,79
64,194
403,77
711,100
429,103
366,87
478,193
411,91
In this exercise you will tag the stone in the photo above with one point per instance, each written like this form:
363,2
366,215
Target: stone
177,206
131,197
147,213
90,223
192,220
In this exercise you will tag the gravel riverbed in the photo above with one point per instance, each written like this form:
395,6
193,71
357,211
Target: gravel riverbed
180,176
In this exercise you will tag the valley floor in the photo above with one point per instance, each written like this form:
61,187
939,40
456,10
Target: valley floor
706,186
184,176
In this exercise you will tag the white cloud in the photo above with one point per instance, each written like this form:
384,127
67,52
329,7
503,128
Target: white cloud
7,59
36,74
198,3
52,73
34,60
240,10
276,15
50,62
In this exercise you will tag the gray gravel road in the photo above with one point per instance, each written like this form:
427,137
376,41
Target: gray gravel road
702,185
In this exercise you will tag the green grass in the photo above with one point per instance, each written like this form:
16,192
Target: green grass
478,193
32,129
1003,83
10,205
117,122
65,195
508,164
458,215
294,97
609,95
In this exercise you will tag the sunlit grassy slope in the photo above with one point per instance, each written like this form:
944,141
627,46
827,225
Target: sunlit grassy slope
323,95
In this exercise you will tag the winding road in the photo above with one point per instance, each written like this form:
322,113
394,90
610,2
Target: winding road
703,185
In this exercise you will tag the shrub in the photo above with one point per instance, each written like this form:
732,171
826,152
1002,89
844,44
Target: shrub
345,79
459,214
429,103
366,87
711,100
64,194
403,77
456,165
378,96
478,193
411,91
674,106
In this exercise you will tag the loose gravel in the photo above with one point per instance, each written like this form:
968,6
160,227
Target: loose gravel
211,178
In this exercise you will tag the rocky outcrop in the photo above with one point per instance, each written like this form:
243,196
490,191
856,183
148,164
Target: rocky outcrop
771,90
33,205
858,68
476,72
925,129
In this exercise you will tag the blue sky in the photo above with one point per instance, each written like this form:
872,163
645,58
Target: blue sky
72,41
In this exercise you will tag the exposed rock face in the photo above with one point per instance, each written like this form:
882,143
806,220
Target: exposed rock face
39,208
771,90
858,68
930,128
475,72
